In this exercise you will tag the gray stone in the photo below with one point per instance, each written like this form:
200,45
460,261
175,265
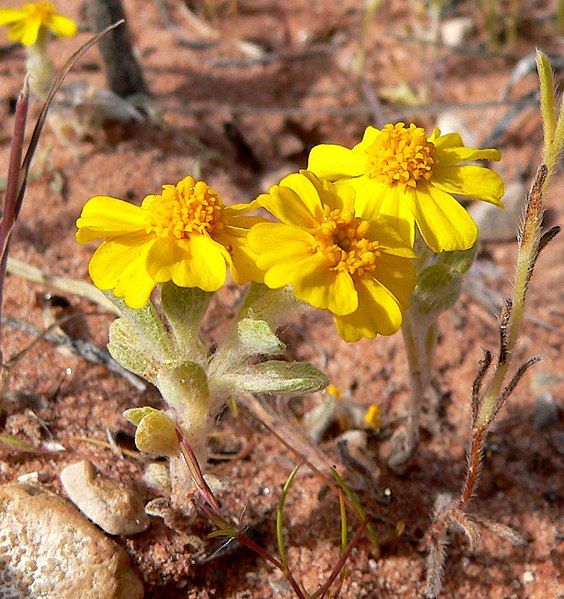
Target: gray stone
49,550
454,31
111,505
546,411
496,224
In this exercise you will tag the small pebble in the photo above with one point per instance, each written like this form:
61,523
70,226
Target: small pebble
454,31
451,121
157,477
546,411
496,224
528,577
32,477
109,504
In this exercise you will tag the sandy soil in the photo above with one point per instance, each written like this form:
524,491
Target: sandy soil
282,108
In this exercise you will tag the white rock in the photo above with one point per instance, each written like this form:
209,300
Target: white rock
547,411
157,476
109,504
454,31
32,477
496,224
451,121
49,550
528,577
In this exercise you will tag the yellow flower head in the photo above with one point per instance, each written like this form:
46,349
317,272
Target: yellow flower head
373,416
360,270
185,235
24,24
402,172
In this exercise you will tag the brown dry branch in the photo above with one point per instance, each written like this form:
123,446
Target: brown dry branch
84,349
451,515
123,72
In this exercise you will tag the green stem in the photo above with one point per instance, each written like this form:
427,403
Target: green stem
39,65
419,334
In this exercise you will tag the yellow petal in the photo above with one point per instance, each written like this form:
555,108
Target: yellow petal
327,194
378,313
308,187
334,162
293,268
396,208
476,182
443,222
233,237
119,264
30,32
198,261
369,137
105,218
134,284
287,206
450,140
398,275
10,15
368,195
238,216
326,289
452,156
276,242
243,261
61,26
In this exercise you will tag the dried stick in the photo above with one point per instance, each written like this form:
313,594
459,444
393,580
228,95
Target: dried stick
18,170
452,515
87,351
63,284
123,72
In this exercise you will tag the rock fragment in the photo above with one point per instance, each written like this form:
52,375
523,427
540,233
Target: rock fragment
501,225
49,550
454,31
111,505
547,411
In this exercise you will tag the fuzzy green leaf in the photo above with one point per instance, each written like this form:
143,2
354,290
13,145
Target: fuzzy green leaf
184,308
277,376
275,306
148,326
126,348
461,260
186,389
437,289
256,337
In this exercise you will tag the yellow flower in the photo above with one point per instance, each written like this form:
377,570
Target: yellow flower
373,416
24,24
185,235
334,391
400,172
360,270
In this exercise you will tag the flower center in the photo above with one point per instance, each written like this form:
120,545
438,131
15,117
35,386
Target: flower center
342,238
39,10
182,209
401,156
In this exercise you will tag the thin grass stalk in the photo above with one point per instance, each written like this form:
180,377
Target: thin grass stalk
280,519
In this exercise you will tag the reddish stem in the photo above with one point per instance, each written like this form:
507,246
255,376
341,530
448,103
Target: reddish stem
194,467
250,544
474,466
13,184
320,593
